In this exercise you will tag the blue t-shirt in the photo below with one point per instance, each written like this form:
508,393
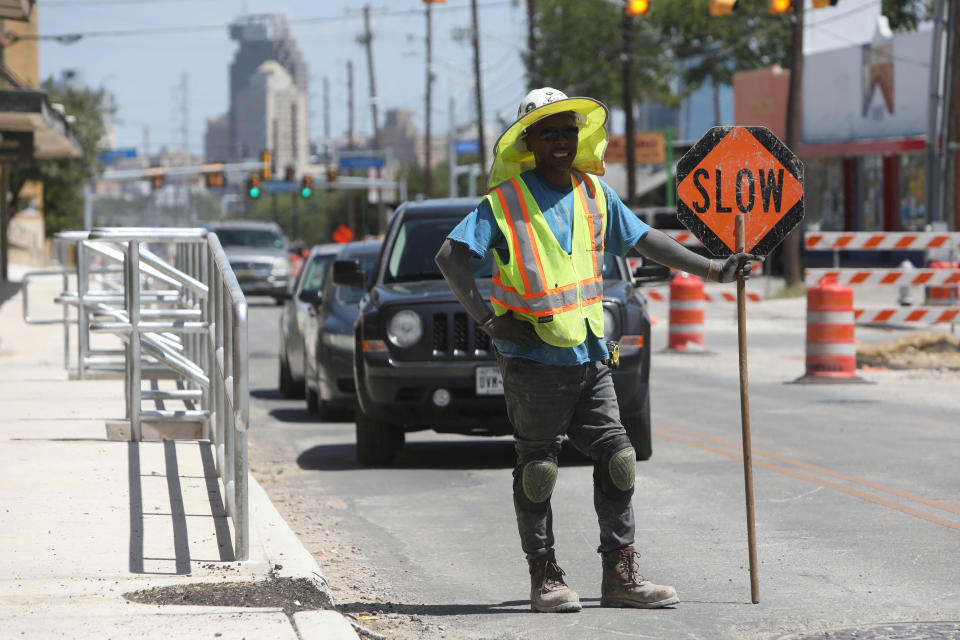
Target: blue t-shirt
479,231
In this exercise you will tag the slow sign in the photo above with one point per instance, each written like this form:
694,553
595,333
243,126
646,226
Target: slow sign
740,170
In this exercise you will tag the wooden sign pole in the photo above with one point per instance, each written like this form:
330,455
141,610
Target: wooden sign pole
745,416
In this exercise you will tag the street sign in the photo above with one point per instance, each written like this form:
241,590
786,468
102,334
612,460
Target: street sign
112,155
343,234
466,146
740,170
361,162
648,148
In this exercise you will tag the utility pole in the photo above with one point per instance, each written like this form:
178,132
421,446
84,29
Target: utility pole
533,68
791,244
935,112
481,143
326,120
952,186
630,134
367,40
427,142
351,142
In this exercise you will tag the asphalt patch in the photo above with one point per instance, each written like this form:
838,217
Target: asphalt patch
290,594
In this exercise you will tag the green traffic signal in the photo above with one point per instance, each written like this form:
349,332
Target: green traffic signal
254,192
305,192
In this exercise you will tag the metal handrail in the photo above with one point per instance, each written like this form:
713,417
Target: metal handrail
199,334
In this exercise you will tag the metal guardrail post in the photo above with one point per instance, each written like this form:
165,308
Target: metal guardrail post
83,320
196,328
133,372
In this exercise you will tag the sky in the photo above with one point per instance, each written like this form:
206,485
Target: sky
141,50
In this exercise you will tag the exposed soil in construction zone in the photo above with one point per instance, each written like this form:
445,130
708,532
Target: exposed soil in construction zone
921,350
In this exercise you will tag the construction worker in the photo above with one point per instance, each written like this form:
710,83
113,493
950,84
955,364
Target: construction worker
548,220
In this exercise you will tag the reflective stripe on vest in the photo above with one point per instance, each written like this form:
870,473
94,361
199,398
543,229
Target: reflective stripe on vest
540,300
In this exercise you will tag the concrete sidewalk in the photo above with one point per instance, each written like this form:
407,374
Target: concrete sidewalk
85,520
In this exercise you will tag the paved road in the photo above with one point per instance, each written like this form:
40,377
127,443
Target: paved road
858,519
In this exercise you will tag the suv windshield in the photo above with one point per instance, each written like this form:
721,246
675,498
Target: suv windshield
261,238
418,241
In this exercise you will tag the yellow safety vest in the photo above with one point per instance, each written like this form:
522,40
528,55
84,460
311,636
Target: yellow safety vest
542,283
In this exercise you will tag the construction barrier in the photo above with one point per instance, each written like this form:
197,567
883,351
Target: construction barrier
881,241
686,313
901,315
945,294
831,347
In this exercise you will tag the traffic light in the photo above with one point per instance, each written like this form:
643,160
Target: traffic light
781,6
637,7
253,185
820,4
331,175
306,185
290,175
214,179
156,182
722,7
267,159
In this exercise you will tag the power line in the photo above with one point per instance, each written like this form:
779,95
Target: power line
69,38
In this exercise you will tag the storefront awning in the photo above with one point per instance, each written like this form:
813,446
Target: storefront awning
16,9
24,110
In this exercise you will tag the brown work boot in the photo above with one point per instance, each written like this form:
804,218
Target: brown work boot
623,586
548,592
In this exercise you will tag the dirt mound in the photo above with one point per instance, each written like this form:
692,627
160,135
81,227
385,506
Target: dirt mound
921,350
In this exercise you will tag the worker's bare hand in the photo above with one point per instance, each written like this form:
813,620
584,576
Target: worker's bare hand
519,332
736,264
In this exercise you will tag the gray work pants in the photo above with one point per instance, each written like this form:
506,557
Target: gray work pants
546,403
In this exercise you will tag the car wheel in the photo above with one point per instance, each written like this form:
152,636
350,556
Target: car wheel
377,441
278,301
288,386
638,430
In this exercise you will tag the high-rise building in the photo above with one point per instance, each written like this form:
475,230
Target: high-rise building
262,38
270,98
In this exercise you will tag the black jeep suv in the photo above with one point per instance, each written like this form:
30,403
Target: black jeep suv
420,362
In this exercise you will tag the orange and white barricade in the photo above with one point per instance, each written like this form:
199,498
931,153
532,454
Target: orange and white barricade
686,313
831,347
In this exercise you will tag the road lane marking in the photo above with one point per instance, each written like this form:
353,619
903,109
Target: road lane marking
736,453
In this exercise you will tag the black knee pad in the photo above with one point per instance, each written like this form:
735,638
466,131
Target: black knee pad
616,470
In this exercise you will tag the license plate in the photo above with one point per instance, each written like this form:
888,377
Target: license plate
245,273
489,382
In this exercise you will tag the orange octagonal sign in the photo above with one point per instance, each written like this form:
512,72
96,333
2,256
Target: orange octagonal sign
744,170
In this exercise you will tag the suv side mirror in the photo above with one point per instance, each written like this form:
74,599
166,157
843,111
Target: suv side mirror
652,272
347,273
311,296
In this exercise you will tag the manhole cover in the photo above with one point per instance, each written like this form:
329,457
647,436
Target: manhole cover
886,631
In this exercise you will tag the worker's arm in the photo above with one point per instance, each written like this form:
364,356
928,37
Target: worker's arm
454,262
660,247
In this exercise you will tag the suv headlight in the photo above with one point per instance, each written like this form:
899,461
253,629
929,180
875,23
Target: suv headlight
342,341
281,267
405,329
611,323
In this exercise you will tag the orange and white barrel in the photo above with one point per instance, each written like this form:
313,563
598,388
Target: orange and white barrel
946,295
686,313
831,348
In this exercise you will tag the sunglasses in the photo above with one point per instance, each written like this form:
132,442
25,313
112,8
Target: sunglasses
552,134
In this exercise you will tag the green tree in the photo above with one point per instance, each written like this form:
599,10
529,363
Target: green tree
63,178
906,15
579,52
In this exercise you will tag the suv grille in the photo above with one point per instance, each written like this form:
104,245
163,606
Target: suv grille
456,335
